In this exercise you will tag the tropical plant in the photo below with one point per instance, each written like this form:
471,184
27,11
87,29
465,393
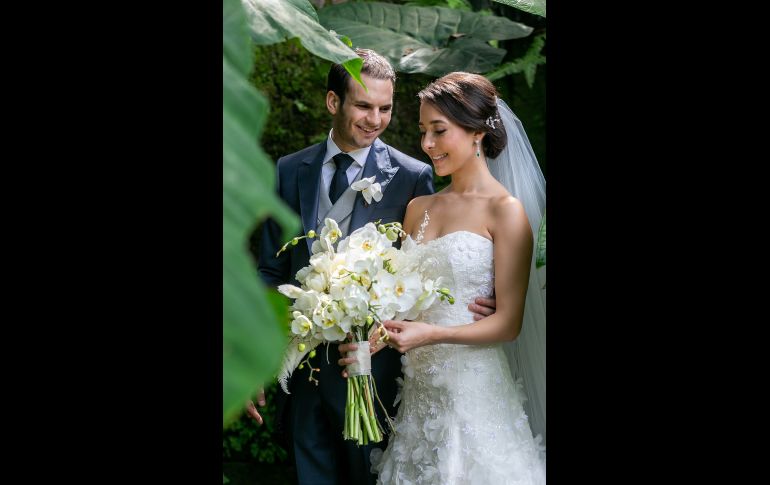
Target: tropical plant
527,63
431,40
253,319
536,7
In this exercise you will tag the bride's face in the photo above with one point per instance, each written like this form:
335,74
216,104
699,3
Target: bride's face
449,145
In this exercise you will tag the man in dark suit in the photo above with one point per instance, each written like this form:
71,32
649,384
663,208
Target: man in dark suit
315,183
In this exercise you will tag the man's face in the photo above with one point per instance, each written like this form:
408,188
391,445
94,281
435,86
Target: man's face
363,116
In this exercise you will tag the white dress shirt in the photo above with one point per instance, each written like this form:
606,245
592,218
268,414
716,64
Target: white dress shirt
329,167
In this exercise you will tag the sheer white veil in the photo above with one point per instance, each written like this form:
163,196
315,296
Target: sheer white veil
517,169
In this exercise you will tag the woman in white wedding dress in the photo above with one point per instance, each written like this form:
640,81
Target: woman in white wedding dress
462,418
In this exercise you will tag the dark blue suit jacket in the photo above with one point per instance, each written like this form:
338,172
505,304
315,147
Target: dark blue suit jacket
402,178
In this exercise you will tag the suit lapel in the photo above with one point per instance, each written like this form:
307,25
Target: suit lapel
378,165
309,179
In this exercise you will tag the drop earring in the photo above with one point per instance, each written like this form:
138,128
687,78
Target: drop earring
478,146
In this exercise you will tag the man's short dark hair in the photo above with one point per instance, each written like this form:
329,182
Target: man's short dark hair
375,66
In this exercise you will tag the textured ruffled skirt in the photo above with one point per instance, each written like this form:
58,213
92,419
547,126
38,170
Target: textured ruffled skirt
461,421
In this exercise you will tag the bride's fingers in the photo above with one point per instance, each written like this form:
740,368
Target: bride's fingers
392,325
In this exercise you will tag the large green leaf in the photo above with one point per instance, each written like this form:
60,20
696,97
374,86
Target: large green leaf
430,40
253,330
273,21
457,4
536,7
540,260
527,63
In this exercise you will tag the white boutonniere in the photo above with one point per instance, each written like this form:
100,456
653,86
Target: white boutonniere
369,189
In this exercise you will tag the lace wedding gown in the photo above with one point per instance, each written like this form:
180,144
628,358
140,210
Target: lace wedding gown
461,419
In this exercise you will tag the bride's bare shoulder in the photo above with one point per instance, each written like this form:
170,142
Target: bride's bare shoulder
508,216
504,202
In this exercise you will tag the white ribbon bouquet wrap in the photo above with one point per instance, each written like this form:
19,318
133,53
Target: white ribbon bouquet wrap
346,292
363,364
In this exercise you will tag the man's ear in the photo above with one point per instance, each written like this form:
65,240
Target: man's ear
332,102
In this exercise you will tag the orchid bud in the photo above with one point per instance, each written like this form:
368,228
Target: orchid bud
444,291
391,234
382,229
311,234
294,241
451,300
312,354
301,347
302,366
369,320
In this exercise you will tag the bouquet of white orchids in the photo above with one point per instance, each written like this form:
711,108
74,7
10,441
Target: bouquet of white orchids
346,292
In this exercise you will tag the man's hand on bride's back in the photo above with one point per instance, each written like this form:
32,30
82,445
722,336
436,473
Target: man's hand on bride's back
482,307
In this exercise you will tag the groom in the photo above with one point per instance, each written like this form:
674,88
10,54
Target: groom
315,182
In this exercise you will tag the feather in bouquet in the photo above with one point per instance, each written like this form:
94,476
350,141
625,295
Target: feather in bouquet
346,292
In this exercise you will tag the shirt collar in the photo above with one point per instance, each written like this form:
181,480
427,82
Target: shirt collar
359,156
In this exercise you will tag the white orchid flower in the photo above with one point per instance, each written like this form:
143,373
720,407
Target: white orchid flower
307,302
396,257
334,334
331,230
291,291
331,315
369,240
425,300
355,302
301,325
303,273
316,281
321,263
399,291
368,188
322,245
407,289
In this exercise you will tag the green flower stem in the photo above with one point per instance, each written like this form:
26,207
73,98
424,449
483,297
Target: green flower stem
361,424
346,428
295,241
354,431
372,414
357,434
351,425
362,407
351,434
382,406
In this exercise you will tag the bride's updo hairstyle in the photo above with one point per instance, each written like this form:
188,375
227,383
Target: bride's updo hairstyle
469,100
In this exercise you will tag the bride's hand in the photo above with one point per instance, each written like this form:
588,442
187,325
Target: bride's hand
405,336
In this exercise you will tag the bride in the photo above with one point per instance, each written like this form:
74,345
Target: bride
464,416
